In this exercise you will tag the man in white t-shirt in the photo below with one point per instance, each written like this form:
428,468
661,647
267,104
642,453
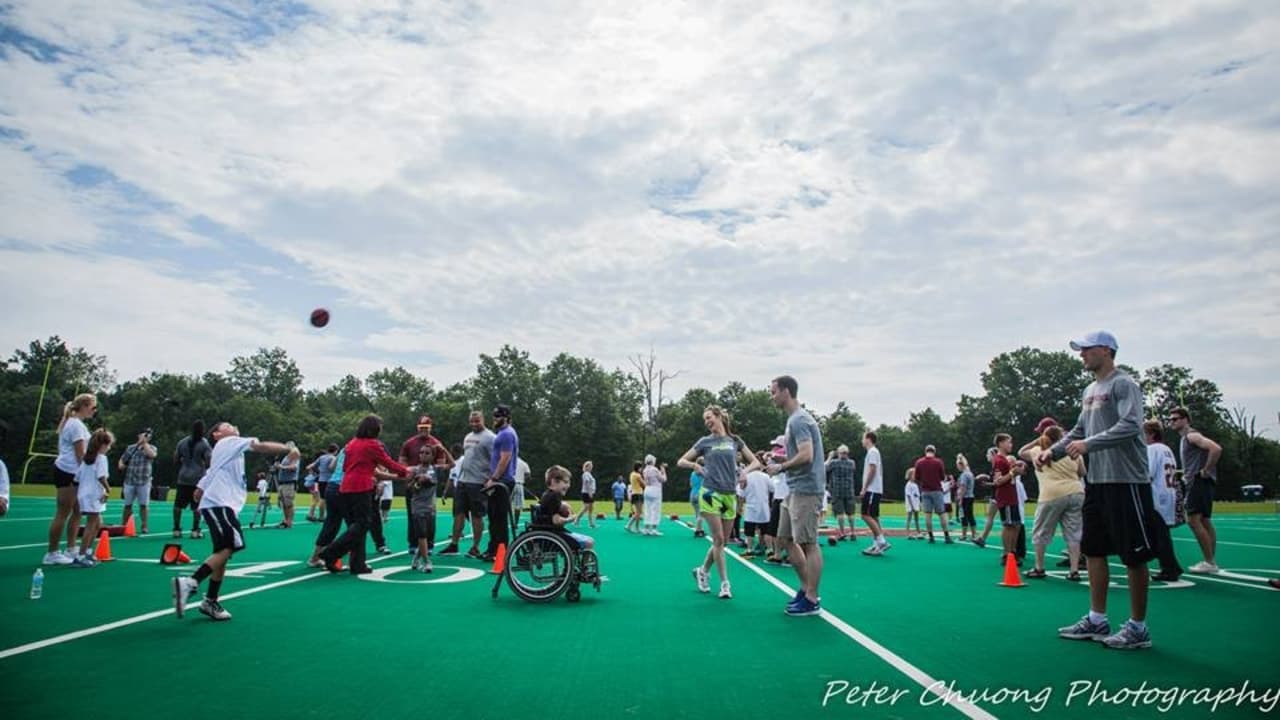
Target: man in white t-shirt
221,494
872,491
1160,466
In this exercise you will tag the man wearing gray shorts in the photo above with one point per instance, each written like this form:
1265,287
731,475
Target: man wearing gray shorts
136,462
806,481
930,473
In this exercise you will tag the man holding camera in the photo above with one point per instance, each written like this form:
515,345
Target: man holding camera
136,462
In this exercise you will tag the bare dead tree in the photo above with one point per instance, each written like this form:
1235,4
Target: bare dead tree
653,381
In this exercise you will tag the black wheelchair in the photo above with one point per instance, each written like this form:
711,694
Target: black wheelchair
543,563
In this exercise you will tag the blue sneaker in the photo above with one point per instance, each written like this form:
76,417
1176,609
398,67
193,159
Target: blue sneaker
803,607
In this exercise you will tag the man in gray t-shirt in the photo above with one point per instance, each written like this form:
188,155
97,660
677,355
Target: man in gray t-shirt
473,471
1200,472
1119,516
806,480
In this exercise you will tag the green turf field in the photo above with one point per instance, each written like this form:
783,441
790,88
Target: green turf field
303,643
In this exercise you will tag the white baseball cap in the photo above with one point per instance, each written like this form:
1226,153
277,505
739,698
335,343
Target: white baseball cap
1098,338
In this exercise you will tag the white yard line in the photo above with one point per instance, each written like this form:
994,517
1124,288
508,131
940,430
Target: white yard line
926,681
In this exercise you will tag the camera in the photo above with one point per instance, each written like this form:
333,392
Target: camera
147,433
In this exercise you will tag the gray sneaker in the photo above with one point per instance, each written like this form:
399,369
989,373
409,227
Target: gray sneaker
1085,629
1129,638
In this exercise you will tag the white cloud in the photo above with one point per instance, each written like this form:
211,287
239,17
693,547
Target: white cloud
878,198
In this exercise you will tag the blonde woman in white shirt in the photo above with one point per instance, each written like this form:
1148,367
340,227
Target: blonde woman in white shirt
73,442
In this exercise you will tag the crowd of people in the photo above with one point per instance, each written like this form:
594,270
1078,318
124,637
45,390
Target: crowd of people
1107,483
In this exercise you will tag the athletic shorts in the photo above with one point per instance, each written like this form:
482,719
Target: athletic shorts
287,492
799,519
870,505
843,504
1199,498
722,505
1064,511
517,495
424,525
1120,519
588,498
468,499
321,487
750,528
932,502
775,515
384,505
62,478
185,496
966,512
1010,515
637,498
224,529
139,493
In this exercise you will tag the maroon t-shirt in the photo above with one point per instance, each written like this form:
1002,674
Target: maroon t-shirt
1007,494
930,472
409,450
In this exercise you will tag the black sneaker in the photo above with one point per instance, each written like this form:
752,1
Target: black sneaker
452,549
473,553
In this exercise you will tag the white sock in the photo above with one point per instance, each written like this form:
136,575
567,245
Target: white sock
1097,618
880,540
1142,626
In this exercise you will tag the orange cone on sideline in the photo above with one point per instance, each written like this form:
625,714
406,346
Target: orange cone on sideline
103,552
500,559
130,529
338,563
169,556
183,557
1012,578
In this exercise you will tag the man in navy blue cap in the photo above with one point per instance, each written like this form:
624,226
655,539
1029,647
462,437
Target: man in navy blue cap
1119,517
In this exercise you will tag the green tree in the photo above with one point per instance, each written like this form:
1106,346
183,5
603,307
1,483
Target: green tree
270,375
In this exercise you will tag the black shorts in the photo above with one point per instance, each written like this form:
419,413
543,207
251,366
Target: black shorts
1120,519
320,487
384,505
870,505
637,498
62,478
1010,515
185,497
775,514
224,529
1199,498
588,498
749,528
469,499
424,526
967,519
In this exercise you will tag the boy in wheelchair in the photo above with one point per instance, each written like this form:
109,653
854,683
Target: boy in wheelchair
553,512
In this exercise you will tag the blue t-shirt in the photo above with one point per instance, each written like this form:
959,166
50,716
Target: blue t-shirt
619,490
325,465
335,480
695,485
507,440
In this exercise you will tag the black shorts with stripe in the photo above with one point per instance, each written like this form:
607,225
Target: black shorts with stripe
1120,519
870,505
224,529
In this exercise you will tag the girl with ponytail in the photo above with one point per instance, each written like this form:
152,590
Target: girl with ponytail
73,440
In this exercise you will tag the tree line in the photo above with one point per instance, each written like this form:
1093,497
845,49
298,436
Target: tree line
573,409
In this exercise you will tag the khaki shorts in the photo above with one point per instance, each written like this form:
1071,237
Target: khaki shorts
1066,511
287,492
799,519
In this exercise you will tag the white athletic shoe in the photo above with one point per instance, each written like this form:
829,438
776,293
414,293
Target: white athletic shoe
885,546
182,588
703,580
56,558
725,592
655,532
214,610
426,565
1205,568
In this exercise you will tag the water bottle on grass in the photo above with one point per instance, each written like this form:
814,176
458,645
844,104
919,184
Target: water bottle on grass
37,584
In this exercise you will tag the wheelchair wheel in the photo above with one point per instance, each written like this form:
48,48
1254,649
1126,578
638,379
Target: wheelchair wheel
539,566
589,568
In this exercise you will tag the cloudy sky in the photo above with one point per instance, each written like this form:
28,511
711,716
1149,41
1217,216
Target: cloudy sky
877,197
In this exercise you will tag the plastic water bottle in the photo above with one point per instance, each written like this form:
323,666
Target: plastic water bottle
37,584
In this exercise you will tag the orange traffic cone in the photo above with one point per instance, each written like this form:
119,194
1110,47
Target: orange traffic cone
338,564
500,559
130,530
1012,577
183,557
103,552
